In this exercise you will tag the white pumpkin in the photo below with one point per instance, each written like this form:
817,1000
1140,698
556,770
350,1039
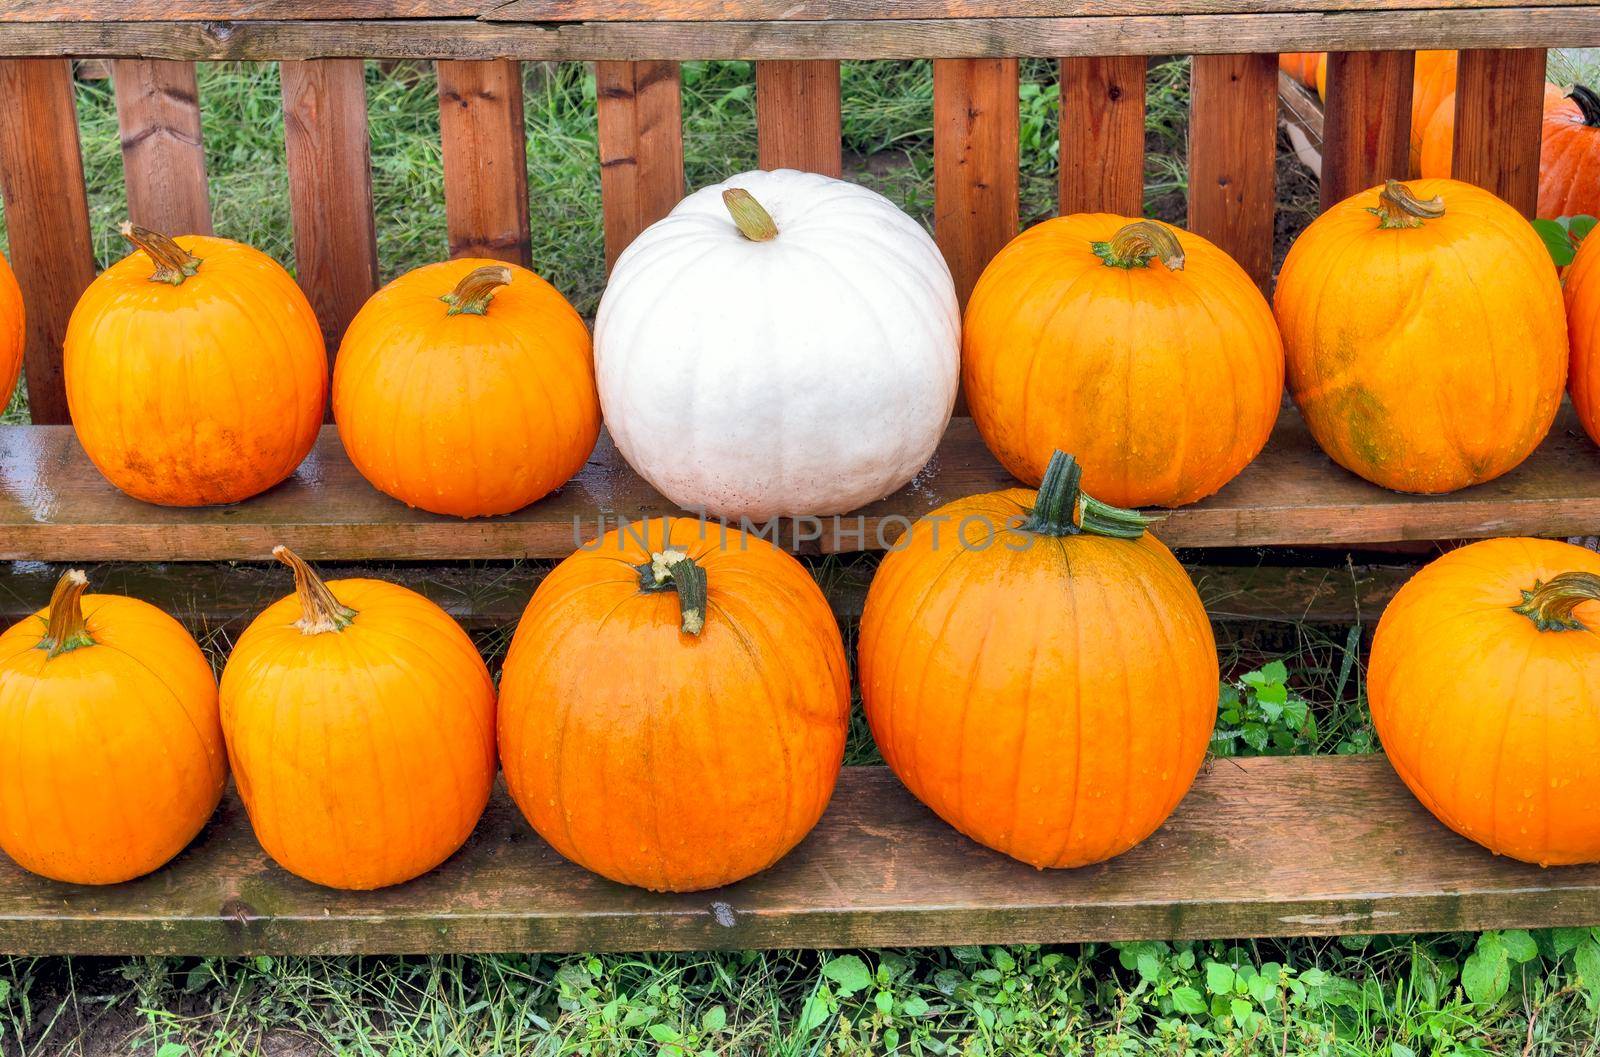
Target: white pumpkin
808,372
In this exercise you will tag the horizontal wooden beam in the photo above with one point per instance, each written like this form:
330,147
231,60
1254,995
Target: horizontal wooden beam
1568,25
1260,847
54,506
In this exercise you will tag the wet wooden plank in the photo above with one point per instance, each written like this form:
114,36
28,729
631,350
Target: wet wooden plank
54,506
755,10
1499,108
1233,129
797,116
1290,846
639,109
1367,122
163,155
47,216
482,131
330,189
975,115
1102,135
1569,25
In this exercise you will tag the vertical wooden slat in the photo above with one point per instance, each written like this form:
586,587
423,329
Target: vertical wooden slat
330,188
1233,127
797,116
1367,121
974,163
1102,135
640,114
1499,107
163,156
47,216
481,126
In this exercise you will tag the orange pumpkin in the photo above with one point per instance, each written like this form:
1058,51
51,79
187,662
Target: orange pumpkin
674,705
1433,88
360,723
1482,686
1582,288
1439,139
109,730
1039,671
1144,348
1569,154
467,388
1410,369
1301,65
195,371
12,331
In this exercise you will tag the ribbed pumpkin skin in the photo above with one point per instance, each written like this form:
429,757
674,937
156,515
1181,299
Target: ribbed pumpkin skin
1051,698
470,415
1410,369
207,392
364,756
1433,89
1494,724
1569,160
1439,141
1164,383
12,330
671,761
1301,65
1582,288
114,756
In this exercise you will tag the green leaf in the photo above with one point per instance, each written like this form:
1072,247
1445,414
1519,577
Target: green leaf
714,1020
663,1033
817,1010
915,1006
1586,959
1002,960
1398,1050
1255,736
1240,1010
884,1000
1564,940
1519,945
849,973
1219,978
1578,227
1486,976
1149,967
1188,1000
172,1049
1556,241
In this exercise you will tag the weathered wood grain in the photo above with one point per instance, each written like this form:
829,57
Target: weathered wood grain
330,189
47,216
163,155
1571,25
639,109
1367,122
975,115
797,115
242,10
1233,124
1102,135
1499,107
54,506
1260,847
481,127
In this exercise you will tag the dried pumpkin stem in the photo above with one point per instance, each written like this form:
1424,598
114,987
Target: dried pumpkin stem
752,220
173,263
1552,604
319,611
673,570
1136,244
1062,509
66,630
1588,104
1399,208
476,289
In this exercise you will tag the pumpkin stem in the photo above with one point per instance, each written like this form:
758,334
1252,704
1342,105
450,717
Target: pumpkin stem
1552,603
1399,208
674,570
476,289
1135,244
753,221
319,610
173,263
1062,509
66,630
1588,103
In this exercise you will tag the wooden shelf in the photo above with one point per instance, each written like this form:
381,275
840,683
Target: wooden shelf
54,506
1265,847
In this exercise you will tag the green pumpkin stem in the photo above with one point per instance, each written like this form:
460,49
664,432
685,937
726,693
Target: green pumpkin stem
1552,603
1398,208
320,612
1136,244
673,570
1062,509
66,631
752,220
173,263
1588,104
476,289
